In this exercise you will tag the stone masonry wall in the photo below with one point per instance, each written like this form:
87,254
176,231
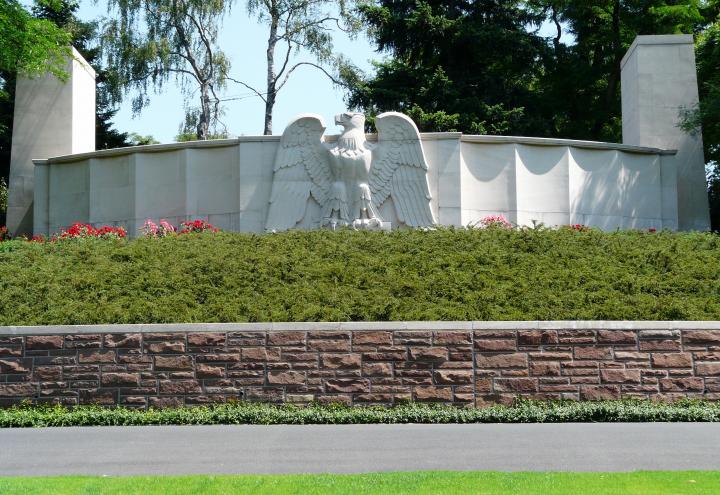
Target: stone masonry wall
462,363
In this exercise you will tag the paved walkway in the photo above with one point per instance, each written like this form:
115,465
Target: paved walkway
160,450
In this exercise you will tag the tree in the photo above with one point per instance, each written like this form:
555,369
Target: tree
706,117
295,25
29,45
454,65
151,41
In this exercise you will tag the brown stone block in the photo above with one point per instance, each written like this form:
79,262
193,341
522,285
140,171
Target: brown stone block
537,337
206,339
179,387
122,340
348,385
286,338
377,369
592,352
452,338
620,376
554,388
494,345
702,337
384,356
165,347
335,361
551,356
38,342
411,337
120,380
11,351
18,390
631,356
300,356
453,377
706,356
433,394
682,384
261,354
223,357
603,392
616,337
514,360
374,398
15,366
707,369
160,336
83,341
494,334
47,373
449,365
96,356
659,334
545,368
672,360
429,353
165,402
659,345
343,399
374,338
133,401
328,334
328,345
516,384
285,377
208,371
173,362
95,396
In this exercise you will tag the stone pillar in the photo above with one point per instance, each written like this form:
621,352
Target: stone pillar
659,80
52,118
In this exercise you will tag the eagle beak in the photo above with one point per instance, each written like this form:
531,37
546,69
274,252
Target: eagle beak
338,119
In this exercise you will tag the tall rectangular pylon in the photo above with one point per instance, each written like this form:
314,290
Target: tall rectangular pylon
659,81
52,118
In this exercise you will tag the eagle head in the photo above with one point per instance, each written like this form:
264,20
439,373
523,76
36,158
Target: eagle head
350,120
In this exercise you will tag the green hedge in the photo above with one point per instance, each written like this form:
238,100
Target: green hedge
522,411
445,274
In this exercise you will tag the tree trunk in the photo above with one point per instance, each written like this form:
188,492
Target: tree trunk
271,82
203,128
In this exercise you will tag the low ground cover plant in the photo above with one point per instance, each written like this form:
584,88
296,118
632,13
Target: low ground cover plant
444,274
523,411
397,483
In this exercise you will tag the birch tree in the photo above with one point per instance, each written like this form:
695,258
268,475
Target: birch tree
149,42
295,26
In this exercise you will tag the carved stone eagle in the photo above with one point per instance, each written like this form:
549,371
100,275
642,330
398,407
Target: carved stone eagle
352,178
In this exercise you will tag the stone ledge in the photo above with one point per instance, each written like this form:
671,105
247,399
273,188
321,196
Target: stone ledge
354,326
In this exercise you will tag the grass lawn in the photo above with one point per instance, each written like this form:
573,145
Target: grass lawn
477,483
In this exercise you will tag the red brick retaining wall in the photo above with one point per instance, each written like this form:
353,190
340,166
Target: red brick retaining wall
451,363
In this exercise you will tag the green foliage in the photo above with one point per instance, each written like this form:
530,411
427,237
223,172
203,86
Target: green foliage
29,45
444,274
482,67
295,25
149,42
396,483
523,411
3,195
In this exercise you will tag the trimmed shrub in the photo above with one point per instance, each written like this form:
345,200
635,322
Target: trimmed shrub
443,274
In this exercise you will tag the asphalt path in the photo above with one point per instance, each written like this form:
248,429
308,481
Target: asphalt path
165,450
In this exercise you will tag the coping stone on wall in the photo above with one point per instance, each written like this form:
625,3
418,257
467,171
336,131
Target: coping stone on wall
354,326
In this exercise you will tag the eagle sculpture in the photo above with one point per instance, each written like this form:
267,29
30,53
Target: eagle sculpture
351,178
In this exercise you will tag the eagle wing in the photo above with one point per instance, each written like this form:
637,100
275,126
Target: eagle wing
301,169
399,170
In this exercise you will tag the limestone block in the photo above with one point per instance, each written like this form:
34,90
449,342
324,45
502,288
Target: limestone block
658,81
51,118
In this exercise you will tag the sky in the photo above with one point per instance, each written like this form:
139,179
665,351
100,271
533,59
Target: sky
243,39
